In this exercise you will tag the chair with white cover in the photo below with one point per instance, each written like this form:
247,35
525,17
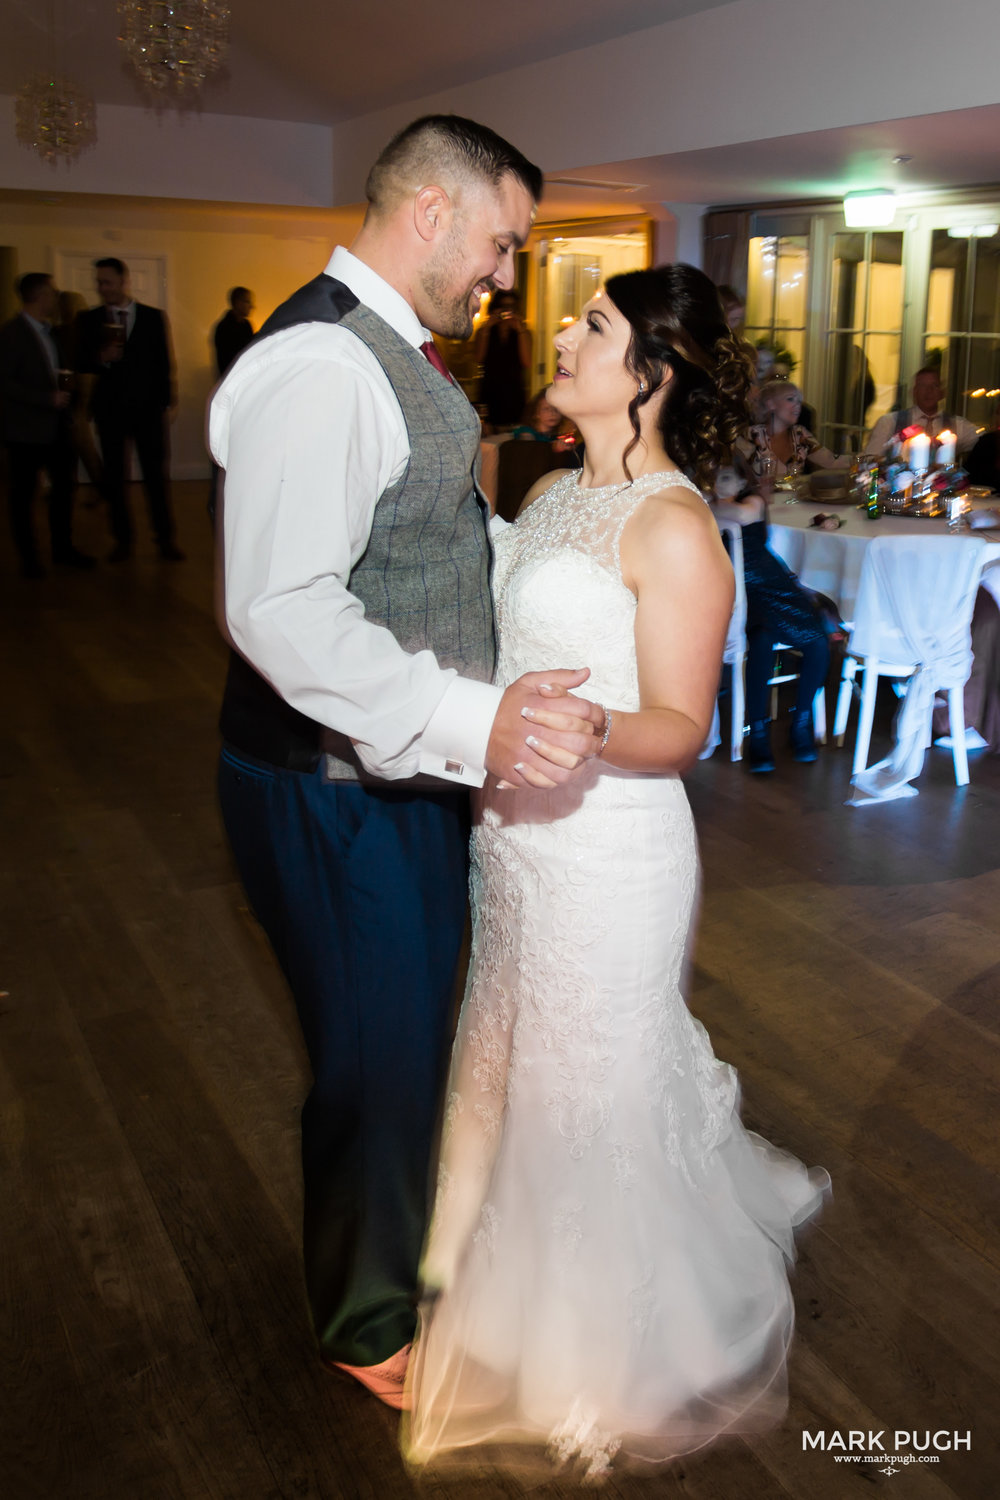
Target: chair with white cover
912,623
734,651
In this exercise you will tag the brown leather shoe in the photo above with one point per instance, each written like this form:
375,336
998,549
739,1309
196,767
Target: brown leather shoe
385,1381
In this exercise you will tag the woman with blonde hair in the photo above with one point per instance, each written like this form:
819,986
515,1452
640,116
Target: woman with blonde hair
778,444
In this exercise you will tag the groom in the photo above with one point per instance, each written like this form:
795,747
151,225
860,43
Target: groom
359,708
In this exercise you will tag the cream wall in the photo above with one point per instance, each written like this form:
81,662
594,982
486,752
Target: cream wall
225,158
208,249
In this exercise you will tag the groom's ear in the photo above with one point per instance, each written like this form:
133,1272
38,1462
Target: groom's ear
432,212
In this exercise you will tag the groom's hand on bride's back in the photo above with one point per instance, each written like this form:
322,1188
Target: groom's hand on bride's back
542,734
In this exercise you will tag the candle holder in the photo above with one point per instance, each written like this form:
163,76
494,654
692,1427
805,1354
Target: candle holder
945,449
924,496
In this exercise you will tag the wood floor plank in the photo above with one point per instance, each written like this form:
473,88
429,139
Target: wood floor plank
102,1286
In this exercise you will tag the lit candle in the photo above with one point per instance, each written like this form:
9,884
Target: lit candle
945,455
918,455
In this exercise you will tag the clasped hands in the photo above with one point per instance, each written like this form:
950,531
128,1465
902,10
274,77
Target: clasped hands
543,734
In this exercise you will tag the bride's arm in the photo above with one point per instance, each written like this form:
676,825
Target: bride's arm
673,559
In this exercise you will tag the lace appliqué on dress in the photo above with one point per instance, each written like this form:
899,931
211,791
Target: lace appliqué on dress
579,1440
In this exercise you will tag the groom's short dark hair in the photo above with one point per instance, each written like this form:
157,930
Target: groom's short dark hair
442,148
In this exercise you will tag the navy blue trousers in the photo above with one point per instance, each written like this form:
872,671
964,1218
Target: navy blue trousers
362,892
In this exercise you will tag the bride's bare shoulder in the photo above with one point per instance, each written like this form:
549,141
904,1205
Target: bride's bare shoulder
540,486
669,522
665,506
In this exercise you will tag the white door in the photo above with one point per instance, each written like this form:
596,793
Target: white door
147,275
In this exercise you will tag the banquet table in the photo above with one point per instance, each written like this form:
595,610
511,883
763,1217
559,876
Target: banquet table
830,561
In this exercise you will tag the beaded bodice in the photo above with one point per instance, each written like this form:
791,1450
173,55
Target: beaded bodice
560,597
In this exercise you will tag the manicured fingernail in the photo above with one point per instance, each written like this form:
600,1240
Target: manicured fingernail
527,713
505,786
532,740
546,687
519,765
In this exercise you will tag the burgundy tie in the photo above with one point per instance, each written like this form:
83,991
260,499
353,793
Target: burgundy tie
430,353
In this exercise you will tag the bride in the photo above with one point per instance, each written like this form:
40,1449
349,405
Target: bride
606,1268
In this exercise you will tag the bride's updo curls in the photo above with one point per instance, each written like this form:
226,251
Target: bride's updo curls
678,324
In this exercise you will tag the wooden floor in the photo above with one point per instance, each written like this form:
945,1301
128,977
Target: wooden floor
155,1344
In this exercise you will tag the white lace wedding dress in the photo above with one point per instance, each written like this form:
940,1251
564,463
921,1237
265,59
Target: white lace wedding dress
606,1265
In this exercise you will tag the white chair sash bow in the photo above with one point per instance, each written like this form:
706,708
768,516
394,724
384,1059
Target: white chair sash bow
914,610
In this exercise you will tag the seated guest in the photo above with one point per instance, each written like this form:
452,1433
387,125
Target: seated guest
983,463
779,444
924,413
541,423
778,609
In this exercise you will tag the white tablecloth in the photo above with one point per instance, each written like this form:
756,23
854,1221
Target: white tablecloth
830,561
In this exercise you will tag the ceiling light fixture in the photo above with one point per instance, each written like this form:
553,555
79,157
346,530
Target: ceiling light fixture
174,46
873,208
53,115
973,231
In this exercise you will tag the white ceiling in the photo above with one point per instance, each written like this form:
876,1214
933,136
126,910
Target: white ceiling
322,61
960,148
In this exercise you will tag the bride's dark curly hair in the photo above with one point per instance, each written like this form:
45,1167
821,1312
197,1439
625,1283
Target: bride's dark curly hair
678,324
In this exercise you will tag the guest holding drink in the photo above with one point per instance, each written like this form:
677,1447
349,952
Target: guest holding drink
126,345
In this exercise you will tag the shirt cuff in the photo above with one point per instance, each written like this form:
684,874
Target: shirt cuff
497,524
453,746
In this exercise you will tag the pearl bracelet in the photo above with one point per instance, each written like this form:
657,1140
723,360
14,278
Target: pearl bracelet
607,729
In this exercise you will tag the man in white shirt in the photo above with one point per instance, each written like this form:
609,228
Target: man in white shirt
928,394
359,704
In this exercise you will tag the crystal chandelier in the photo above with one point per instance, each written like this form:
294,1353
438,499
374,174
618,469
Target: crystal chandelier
53,115
174,45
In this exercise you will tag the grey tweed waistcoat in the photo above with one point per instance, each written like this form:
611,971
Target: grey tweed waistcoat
425,574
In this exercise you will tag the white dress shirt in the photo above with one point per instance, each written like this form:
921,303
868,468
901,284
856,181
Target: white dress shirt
44,335
965,432
43,332
310,434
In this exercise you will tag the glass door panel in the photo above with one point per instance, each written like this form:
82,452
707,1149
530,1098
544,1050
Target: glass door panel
573,267
777,298
867,304
986,285
947,282
849,283
885,283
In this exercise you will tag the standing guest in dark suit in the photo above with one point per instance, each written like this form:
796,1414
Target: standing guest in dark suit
234,330
35,425
126,345
230,335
